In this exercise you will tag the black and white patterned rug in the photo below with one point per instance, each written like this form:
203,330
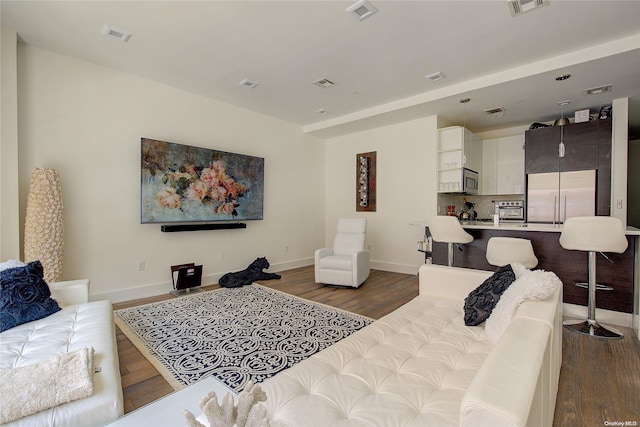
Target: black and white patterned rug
234,334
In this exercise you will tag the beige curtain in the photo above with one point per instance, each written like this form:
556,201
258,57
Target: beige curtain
44,227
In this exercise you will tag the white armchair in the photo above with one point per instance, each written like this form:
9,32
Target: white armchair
347,263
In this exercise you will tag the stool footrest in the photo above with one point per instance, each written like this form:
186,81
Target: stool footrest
599,287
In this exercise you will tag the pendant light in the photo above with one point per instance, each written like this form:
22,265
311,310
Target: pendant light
464,102
561,150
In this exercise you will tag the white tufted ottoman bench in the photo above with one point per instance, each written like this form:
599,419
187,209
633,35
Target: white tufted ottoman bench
421,366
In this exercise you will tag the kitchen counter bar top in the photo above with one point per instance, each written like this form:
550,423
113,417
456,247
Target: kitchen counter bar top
570,266
519,226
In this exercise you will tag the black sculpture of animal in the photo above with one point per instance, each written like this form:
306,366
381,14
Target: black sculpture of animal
249,275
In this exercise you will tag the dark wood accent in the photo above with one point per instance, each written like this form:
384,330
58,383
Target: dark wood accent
366,182
570,266
541,150
599,380
603,189
581,147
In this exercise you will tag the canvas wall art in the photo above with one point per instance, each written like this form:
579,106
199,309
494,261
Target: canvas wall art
181,183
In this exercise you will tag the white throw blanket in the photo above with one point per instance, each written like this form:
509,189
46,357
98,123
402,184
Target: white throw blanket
33,388
529,285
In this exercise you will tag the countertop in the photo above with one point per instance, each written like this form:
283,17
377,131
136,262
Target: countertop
519,226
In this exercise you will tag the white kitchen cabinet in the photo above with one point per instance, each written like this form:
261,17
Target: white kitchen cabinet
503,165
457,148
488,181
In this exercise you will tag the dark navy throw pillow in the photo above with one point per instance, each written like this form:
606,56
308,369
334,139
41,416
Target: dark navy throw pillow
24,296
480,302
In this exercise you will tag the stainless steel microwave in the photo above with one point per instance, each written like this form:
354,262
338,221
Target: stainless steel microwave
470,182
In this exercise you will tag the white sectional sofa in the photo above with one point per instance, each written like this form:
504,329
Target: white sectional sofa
79,324
421,366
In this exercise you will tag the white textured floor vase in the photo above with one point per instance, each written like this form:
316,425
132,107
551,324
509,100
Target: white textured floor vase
44,225
34,388
233,334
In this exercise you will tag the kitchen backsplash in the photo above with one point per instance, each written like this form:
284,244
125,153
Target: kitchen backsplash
484,205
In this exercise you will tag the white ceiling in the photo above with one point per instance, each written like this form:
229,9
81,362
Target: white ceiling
378,65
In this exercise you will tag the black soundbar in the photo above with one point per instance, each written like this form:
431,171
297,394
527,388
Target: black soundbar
196,227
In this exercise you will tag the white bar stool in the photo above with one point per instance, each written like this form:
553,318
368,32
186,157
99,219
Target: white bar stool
447,229
593,234
506,250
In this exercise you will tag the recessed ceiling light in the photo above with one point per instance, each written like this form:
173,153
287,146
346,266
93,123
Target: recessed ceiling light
321,111
518,7
362,9
116,33
324,83
248,83
598,90
434,77
465,100
562,77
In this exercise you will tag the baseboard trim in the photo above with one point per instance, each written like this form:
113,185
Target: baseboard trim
146,291
604,316
395,268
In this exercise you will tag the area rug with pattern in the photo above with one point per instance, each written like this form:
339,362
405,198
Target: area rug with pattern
233,334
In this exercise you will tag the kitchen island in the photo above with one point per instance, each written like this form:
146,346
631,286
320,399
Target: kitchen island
621,272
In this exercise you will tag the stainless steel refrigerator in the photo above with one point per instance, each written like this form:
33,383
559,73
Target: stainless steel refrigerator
555,196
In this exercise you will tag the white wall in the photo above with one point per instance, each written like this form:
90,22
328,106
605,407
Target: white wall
9,212
406,189
86,121
619,158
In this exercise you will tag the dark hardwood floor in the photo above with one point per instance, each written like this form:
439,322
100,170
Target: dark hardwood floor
599,380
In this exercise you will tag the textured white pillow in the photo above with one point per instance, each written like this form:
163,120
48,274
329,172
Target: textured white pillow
531,285
519,270
12,263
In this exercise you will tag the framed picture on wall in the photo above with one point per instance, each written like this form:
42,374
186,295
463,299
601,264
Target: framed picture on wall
366,182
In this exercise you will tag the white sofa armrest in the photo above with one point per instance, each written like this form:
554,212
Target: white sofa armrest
502,392
450,282
70,292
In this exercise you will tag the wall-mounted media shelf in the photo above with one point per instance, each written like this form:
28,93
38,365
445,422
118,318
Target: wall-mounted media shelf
196,227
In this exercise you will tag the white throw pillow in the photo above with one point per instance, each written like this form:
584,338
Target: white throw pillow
532,285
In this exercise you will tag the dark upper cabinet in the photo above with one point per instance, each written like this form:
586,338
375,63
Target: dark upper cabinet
581,147
587,146
541,150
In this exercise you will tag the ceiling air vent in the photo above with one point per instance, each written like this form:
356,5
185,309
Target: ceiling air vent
324,83
116,33
362,9
495,111
435,76
248,83
598,90
517,7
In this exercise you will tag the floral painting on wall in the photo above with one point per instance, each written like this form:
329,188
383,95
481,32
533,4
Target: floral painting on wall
181,183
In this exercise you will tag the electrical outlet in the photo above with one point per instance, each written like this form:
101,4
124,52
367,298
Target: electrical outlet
619,204
141,265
